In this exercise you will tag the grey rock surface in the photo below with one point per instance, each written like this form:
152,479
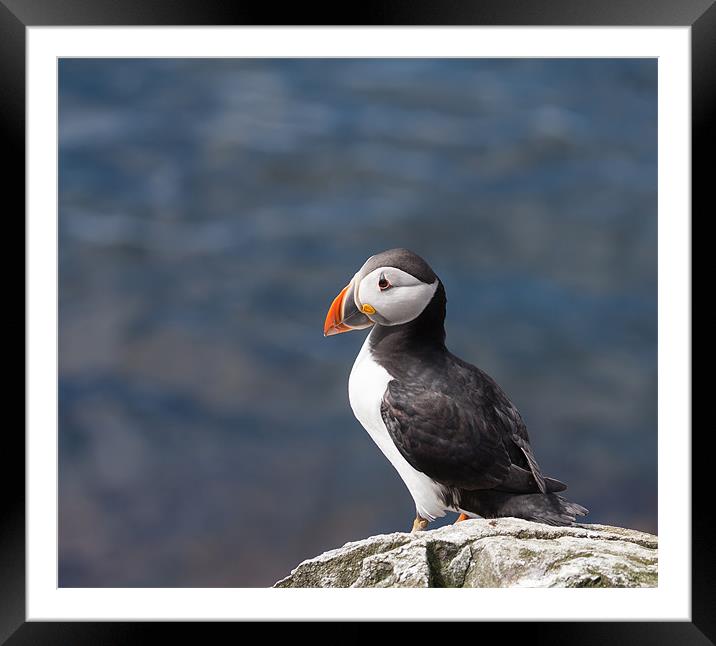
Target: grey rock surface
499,553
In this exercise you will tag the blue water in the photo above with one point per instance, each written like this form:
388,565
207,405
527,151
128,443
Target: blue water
211,209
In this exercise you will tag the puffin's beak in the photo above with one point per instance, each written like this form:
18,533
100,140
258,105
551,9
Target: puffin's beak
343,315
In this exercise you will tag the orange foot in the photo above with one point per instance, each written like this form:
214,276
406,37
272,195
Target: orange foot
461,517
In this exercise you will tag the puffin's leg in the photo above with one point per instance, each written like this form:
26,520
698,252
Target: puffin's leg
420,524
461,517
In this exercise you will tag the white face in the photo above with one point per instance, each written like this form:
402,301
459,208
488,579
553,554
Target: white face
390,296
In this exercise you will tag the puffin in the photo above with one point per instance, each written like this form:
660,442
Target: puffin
454,437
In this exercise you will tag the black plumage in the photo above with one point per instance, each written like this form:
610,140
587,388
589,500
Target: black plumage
451,421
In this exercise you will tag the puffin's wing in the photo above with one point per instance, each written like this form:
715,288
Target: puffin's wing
531,460
447,441
517,433
521,480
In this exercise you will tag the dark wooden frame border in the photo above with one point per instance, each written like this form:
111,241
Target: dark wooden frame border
16,15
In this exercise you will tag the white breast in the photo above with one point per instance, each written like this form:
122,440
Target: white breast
366,386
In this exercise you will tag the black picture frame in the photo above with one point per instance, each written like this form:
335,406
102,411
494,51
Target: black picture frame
17,15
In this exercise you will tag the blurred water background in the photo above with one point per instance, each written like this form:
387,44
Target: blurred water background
210,210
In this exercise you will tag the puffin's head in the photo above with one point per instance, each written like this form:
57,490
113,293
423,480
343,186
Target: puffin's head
391,288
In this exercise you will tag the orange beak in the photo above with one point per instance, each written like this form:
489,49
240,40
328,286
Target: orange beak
344,315
334,319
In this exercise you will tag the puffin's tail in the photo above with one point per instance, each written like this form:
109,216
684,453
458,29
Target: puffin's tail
548,508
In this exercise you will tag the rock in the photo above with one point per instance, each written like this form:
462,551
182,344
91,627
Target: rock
500,553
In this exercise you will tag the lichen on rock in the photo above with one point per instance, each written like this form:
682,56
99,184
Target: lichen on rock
499,553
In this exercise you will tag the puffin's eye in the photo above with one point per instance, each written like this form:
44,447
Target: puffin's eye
383,283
